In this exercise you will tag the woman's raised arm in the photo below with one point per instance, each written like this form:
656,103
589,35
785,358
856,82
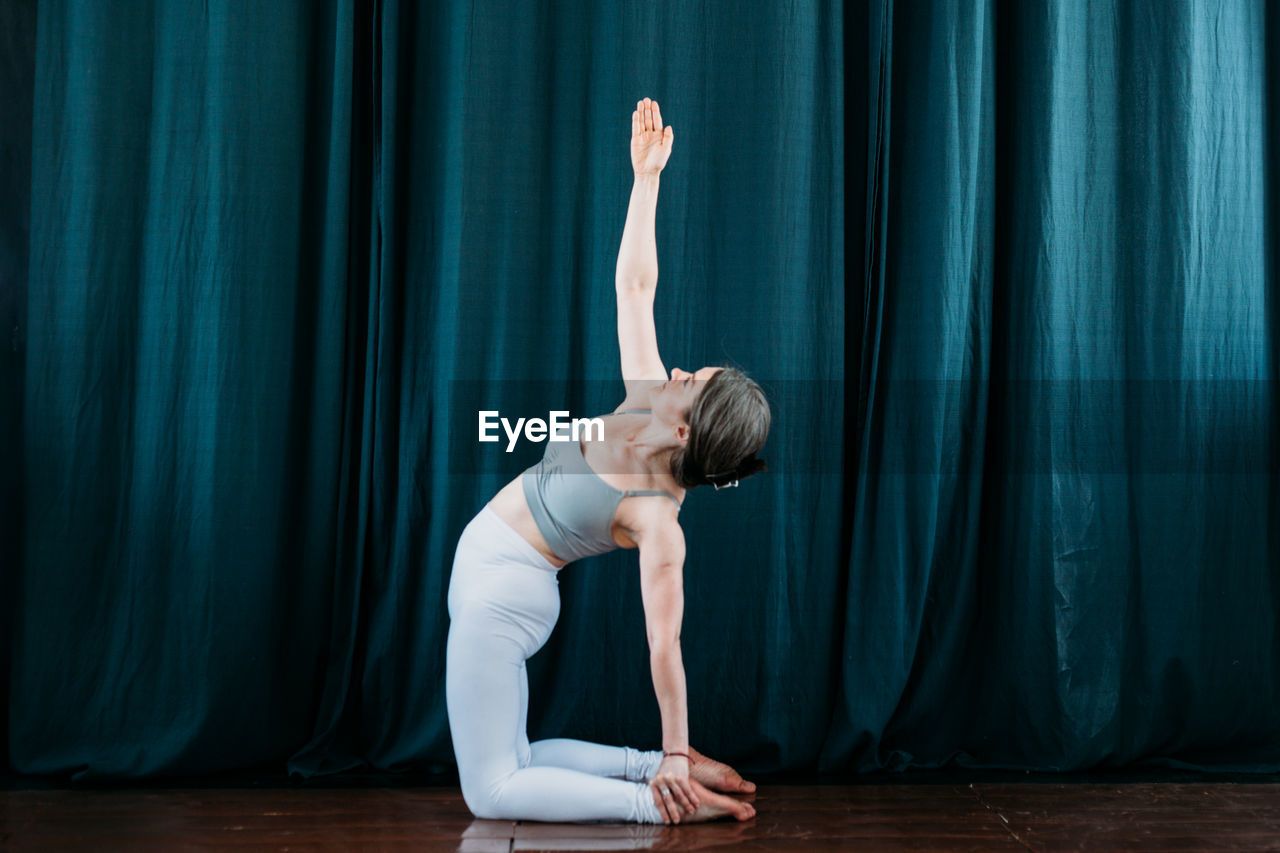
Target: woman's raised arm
637,272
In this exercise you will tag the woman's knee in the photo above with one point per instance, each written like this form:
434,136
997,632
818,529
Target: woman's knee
483,799
478,801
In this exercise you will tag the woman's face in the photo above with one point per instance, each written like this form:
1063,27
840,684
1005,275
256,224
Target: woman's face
671,400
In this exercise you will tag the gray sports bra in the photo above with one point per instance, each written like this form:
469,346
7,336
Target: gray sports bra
572,506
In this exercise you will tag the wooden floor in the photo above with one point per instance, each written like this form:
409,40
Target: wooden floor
935,817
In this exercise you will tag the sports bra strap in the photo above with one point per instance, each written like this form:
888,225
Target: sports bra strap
633,412
638,492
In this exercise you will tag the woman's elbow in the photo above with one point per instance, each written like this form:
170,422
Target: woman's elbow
663,644
635,293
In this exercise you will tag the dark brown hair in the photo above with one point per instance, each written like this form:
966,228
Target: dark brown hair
728,424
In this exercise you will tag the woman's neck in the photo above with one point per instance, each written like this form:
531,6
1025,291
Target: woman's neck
653,444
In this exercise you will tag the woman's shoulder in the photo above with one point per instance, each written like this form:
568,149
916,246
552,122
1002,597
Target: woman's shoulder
650,515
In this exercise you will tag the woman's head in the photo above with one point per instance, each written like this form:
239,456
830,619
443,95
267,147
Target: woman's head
728,421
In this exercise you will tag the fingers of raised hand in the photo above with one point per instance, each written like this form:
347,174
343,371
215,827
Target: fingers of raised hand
647,118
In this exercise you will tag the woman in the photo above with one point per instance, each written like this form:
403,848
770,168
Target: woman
669,435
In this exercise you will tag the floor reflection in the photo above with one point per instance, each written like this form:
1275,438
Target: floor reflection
484,836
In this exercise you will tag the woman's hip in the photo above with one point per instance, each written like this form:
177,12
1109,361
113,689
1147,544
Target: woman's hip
497,585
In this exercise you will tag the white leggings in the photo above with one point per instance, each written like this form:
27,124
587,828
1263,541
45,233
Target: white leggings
503,602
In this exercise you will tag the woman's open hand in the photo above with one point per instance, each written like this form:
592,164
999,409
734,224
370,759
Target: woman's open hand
650,141
672,790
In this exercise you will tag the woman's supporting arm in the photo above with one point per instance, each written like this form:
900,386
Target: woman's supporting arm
667,668
662,591
662,552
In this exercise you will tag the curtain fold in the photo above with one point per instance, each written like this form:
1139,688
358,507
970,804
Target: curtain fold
17,81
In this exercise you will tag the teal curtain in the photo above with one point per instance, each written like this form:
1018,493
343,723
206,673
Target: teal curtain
279,252
1066,512
186,320
272,258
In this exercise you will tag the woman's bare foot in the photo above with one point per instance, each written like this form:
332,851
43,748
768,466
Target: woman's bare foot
712,806
717,776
